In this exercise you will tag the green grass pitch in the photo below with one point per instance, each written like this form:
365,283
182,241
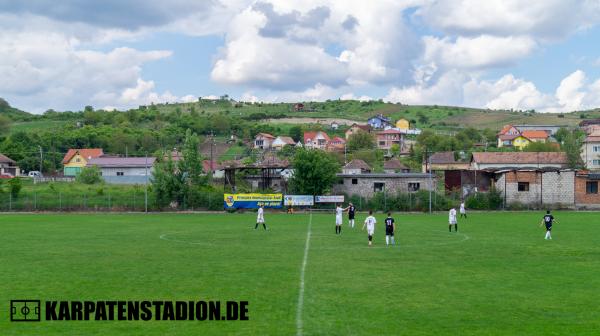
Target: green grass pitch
497,276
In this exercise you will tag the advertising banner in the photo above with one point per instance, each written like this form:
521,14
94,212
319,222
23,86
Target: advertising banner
330,199
298,200
252,201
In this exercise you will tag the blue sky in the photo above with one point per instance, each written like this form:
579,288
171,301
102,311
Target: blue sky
113,54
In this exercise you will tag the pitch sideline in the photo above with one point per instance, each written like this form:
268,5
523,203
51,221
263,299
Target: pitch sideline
299,324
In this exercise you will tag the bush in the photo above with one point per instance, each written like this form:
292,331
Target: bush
89,175
14,187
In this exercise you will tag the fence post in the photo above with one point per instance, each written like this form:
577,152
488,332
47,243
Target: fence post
34,201
109,207
60,201
9,201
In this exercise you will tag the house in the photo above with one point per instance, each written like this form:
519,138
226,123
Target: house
282,141
76,159
519,136
124,170
403,124
368,184
386,139
590,151
298,107
8,167
589,123
316,140
263,141
356,166
357,128
336,144
586,190
212,166
379,121
537,188
518,160
334,125
444,161
395,166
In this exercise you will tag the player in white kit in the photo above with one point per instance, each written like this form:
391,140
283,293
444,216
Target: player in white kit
339,211
260,218
370,224
463,210
452,220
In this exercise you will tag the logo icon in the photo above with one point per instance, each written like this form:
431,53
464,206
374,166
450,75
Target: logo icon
24,310
229,201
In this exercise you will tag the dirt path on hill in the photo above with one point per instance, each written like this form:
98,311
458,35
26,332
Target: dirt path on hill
323,121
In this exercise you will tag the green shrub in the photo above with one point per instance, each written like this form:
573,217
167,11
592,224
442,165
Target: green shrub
89,175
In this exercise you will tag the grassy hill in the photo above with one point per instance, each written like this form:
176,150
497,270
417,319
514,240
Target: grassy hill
422,116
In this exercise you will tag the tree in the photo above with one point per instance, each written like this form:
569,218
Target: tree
4,125
191,164
361,140
541,147
572,147
14,186
166,182
314,172
89,175
296,133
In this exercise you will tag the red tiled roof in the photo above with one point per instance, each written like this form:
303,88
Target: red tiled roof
442,157
520,157
357,164
311,136
394,164
266,135
534,134
337,139
504,137
6,159
287,140
87,153
206,166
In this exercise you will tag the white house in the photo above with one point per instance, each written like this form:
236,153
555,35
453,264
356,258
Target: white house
124,170
282,141
263,141
316,140
590,151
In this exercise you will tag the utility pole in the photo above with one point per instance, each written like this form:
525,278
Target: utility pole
210,164
428,169
41,158
345,154
146,185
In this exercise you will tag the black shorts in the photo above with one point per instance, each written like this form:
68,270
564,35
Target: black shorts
389,232
548,227
351,216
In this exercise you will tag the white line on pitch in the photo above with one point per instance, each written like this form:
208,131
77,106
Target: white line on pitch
301,292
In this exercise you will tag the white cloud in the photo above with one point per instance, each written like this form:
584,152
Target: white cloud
351,96
548,20
480,52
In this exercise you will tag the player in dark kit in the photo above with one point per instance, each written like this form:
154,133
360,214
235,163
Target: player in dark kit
390,228
548,220
351,212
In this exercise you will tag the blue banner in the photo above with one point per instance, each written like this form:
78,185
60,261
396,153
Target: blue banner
252,201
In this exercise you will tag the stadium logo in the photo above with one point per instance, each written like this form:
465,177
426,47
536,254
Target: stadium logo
229,200
24,310
30,311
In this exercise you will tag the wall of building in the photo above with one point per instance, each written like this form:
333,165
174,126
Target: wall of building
589,156
582,198
545,189
392,185
127,171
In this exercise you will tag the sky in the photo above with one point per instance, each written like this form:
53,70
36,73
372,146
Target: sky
497,54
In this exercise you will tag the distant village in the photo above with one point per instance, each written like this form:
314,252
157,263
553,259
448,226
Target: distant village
535,179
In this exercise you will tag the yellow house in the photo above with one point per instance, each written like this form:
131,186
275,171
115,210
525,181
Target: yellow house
520,142
76,159
402,124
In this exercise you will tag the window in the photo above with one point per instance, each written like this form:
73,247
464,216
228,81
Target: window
354,181
120,173
378,186
77,160
591,187
381,143
523,186
596,149
596,162
414,186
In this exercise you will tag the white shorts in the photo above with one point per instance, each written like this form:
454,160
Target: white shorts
371,232
452,222
338,220
260,220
